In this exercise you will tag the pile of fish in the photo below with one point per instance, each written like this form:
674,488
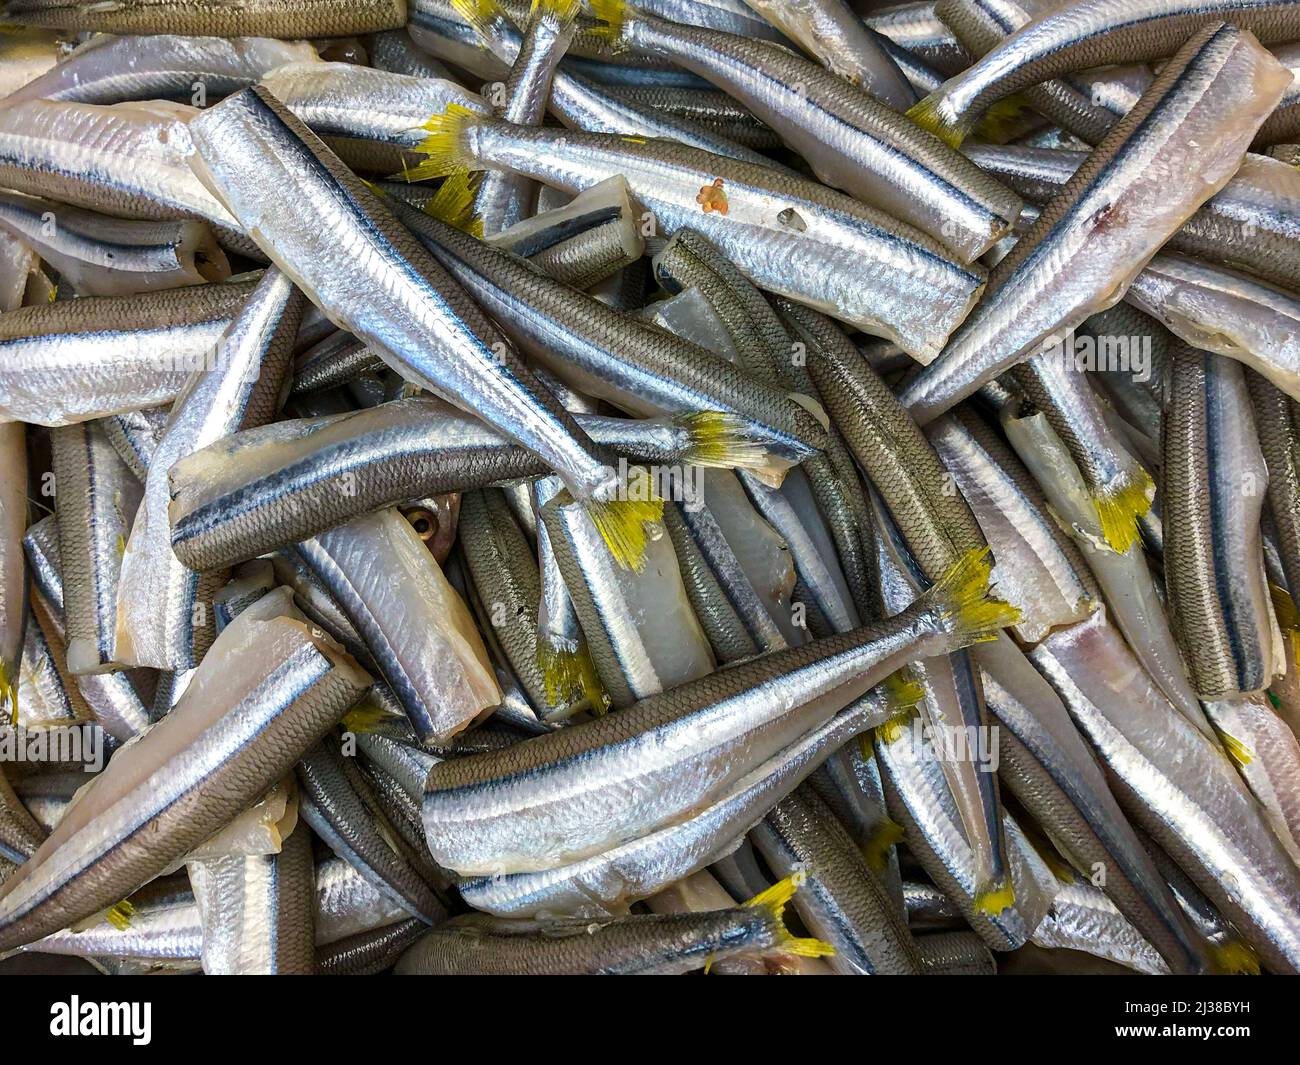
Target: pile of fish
651,486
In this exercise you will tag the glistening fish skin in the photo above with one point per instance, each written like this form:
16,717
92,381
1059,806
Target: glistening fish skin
852,140
786,234
78,359
842,901
1277,429
1214,478
1092,33
1114,213
397,298
104,256
164,616
266,690
262,18
109,70
640,943
13,571
475,808
608,883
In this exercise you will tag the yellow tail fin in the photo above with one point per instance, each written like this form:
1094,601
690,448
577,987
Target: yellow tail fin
966,603
445,149
725,441
774,901
993,900
622,522
876,849
613,13
478,13
119,915
565,11
570,676
1120,510
1234,958
931,115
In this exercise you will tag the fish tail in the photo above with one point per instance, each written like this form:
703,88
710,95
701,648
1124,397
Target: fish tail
453,203
774,901
622,522
965,601
365,717
1238,752
478,13
903,690
931,115
613,13
721,440
119,915
877,847
994,898
1288,618
445,149
9,692
563,11
569,675
1234,958
1120,508
1001,121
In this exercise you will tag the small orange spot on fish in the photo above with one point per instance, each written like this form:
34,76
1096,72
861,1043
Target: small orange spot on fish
712,198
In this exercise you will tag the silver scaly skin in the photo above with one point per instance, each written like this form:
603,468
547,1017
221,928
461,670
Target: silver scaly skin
833,34
475,808
608,883
852,140
257,910
344,249
503,198
100,495
13,571
788,235
113,698
75,360
1216,309
1088,34
265,691
110,70
261,18
104,256
1214,481
347,904
164,611
1083,918
842,901
1112,216
369,118
129,160
1249,225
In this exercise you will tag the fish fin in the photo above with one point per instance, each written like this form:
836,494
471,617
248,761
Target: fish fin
724,441
875,851
613,13
1288,618
365,717
9,692
621,522
1240,754
478,13
993,900
453,203
1234,958
903,690
444,148
866,749
774,901
999,123
565,11
966,603
931,116
1119,510
119,915
569,675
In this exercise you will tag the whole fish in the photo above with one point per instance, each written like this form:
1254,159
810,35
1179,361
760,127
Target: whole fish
424,325
1086,34
635,944
164,613
265,691
1214,92
1215,482
754,708
851,139
253,18
786,234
